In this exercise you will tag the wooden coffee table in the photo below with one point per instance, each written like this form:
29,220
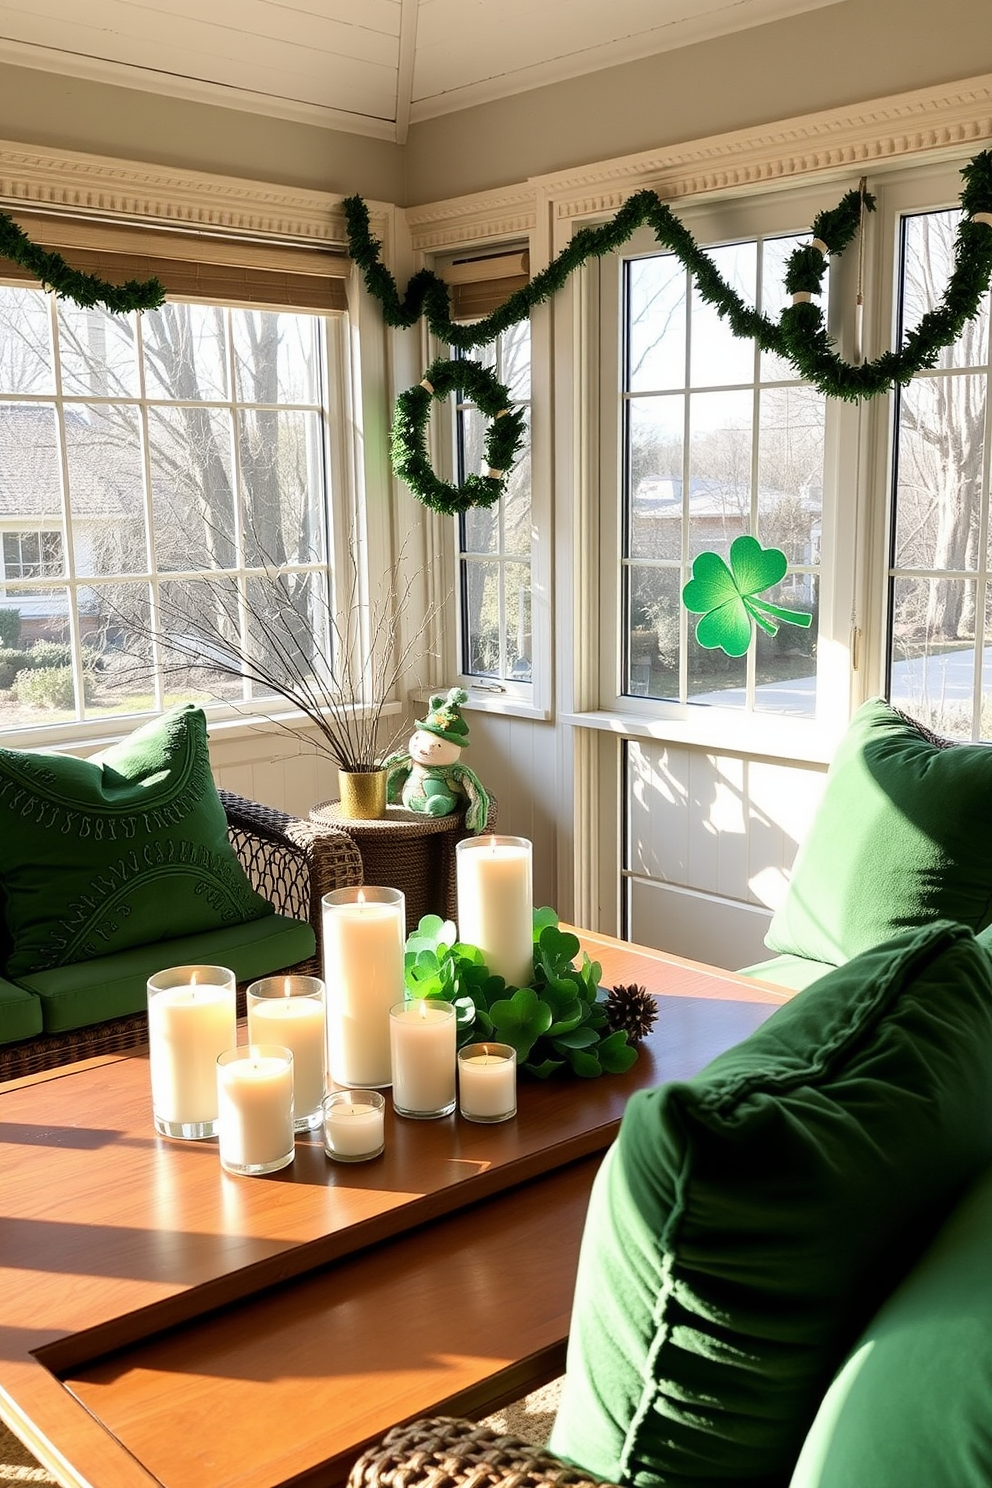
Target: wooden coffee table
165,1323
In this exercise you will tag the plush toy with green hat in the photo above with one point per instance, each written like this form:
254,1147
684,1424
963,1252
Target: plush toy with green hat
428,777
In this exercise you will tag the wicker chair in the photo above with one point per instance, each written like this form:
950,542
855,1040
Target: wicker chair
448,1452
292,863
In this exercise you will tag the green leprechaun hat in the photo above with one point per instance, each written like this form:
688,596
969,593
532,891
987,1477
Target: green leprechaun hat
444,718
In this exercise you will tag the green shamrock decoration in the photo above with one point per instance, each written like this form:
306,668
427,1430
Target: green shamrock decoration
725,597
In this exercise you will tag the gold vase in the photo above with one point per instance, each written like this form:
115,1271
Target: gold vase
363,794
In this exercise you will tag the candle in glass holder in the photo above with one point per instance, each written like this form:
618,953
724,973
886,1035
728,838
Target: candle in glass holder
487,1082
423,1035
255,1108
364,940
496,903
289,1010
192,1018
354,1125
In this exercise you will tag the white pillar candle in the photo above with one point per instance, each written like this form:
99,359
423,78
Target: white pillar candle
487,1082
423,1052
255,1108
364,938
354,1125
192,1018
289,1010
496,904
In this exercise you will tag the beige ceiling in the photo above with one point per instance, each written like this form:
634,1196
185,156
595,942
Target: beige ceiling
371,67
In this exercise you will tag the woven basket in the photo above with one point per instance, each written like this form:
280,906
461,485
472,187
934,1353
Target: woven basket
446,1452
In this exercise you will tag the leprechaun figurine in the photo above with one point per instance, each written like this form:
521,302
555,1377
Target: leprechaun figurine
428,777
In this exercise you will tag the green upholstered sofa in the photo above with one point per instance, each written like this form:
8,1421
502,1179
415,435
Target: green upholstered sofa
784,1279
231,883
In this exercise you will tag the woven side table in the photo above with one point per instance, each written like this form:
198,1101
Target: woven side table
408,851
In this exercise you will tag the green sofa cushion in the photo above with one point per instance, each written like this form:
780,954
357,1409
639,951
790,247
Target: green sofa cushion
112,986
746,1224
795,972
912,1406
20,1013
122,849
900,838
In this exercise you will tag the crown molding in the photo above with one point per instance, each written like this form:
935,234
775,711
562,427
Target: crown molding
100,186
929,124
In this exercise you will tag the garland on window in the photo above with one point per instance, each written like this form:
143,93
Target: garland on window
408,439
85,290
799,336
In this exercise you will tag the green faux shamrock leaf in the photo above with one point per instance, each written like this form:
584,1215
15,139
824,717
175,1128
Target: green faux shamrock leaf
726,597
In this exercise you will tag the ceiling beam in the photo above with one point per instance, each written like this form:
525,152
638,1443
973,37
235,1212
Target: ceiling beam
405,66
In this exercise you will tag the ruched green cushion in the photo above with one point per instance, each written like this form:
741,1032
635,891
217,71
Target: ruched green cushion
747,1224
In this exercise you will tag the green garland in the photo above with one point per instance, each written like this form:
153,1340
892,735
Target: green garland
799,336
85,290
408,438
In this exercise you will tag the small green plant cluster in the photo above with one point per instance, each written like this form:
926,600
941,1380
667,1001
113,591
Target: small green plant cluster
10,627
49,687
558,1022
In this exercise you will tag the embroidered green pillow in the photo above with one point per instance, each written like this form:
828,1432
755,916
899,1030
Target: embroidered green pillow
122,849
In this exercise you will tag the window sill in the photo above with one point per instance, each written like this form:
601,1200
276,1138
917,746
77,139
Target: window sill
724,732
502,704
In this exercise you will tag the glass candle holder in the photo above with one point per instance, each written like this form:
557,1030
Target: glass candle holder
255,1108
494,877
354,1125
487,1082
192,1018
364,939
289,1010
422,1035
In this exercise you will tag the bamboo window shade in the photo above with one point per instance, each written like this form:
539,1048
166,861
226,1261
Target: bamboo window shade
192,265
478,286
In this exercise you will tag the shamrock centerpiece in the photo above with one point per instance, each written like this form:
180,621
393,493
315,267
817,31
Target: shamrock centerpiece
726,597
561,1021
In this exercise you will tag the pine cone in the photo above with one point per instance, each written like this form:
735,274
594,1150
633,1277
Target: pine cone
633,1009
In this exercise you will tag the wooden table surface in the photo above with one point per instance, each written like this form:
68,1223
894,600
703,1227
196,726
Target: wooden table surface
164,1322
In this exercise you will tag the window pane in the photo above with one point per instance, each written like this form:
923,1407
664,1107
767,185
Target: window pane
282,475
97,352
933,652
717,356
655,462
185,350
276,356
941,443
928,260
192,487
785,679
495,594
790,472
653,606
719,470
106,489
656,323
25,343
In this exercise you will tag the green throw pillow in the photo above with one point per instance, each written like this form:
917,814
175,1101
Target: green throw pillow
746,1224
912,1406
900,838
127,847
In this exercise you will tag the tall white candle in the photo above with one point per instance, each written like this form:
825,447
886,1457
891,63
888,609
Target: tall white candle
423,1035
487,1082
289,1010
496,903
255,1108
192,1019
364,938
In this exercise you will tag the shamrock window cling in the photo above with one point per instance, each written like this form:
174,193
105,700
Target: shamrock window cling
726,598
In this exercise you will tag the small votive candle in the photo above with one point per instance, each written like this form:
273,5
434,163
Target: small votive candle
255,1108
289,1010
487,1082
422,1040
192,1018
354,1125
